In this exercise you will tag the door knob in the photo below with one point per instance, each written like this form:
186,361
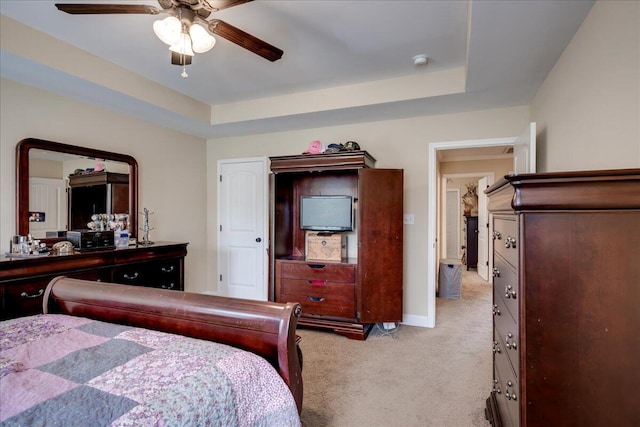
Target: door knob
258,239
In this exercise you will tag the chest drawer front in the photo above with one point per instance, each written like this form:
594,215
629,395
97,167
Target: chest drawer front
314,304
506,330
506,241
505,285
345,273
507,397
304,288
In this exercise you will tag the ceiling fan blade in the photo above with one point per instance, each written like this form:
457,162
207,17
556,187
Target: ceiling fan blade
245,40
98,9
214,5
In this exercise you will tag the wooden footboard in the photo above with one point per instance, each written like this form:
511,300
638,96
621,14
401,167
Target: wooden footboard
265,328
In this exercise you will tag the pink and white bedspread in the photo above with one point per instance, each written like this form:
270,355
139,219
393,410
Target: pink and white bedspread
59,370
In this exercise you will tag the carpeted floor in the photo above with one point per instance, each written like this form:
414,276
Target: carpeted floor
414,377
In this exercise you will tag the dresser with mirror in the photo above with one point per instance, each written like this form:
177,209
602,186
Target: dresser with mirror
47,167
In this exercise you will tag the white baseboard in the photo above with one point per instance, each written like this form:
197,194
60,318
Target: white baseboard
416,320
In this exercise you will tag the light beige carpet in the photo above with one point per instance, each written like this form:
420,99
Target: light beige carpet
415,377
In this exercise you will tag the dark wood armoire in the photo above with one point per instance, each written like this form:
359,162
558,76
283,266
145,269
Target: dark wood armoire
351,295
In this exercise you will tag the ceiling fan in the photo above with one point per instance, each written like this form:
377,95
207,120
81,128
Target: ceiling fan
186,30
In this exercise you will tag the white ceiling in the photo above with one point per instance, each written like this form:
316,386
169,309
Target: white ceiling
506,49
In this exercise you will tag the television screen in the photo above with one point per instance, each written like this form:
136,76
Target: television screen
326,213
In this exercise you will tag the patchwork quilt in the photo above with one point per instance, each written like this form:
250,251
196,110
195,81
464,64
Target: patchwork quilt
59,370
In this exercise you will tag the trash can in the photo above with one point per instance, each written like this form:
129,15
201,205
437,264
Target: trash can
450,279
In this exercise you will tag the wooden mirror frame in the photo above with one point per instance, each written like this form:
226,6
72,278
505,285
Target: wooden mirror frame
22,177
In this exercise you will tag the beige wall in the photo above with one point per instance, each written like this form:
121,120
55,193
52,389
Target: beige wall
588,109
172,165
395,144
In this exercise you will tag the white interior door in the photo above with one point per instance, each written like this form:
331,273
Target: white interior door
47,196
483,230
452,224
524,151
242,228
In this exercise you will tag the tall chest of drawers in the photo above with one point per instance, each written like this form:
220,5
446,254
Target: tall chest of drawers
566,300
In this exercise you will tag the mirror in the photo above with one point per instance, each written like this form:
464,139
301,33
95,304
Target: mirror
62,163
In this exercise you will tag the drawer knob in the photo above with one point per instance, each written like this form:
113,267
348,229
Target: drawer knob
168,269
497,235
315,299
169,286
510,396
131,277
316,282
496,310
510,242
496,348
26,295
509,292
496,272
508,342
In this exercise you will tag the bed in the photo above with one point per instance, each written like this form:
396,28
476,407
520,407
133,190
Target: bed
107,354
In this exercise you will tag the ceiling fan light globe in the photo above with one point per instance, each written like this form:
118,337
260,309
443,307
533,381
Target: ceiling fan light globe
168,30
183,46
202,41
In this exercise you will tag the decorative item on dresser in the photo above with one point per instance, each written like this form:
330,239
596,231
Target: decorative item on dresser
351,295
565,304
23,280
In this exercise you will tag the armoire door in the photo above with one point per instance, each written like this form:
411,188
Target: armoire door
380,245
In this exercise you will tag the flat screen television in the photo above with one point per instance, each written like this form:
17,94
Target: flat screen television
326,213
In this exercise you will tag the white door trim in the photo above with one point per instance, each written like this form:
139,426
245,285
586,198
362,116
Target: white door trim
265,230
445,211
432,190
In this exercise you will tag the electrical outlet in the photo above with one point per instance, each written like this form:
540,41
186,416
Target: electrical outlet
409,218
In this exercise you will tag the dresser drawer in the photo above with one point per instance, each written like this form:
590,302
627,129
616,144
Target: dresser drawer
505,285
165,274
506,240
23,297
506,330
314,304
507,392
317,288
328,272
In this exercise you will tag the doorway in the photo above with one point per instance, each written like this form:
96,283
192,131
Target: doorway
433,219
450,226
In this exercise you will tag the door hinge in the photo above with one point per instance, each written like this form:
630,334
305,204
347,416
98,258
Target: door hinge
220,178
220,227
221,277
